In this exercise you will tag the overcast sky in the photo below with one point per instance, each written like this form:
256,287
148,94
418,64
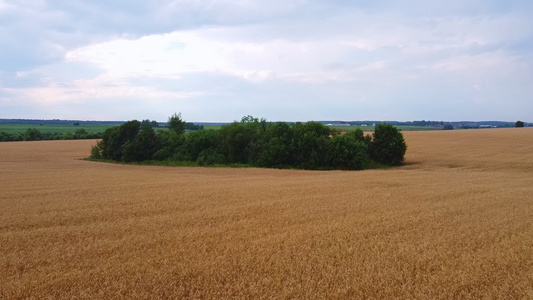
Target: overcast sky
296,60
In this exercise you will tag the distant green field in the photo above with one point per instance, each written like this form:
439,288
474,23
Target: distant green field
213,127
417,128
21,128
364,128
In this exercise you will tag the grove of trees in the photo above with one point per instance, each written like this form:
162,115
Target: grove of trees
254,142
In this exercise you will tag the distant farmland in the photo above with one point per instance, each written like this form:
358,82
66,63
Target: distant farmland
456,222
93,128
45,128
400,127
364,128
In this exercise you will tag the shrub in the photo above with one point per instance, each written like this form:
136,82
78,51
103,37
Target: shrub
210,157
96,150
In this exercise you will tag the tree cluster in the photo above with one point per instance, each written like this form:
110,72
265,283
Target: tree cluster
254,142
447,127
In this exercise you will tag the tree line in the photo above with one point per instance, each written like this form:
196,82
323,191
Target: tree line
34,134
254,142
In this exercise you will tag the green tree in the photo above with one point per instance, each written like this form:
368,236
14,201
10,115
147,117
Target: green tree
115,138
519,124
348,152
274,149
238,140
176,123
311,145
143,147
171,144
200,141
388,145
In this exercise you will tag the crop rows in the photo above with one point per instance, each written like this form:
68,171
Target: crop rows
454,223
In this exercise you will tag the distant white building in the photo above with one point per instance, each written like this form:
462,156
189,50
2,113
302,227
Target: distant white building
340,124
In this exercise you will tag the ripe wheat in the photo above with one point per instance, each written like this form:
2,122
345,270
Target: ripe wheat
454,223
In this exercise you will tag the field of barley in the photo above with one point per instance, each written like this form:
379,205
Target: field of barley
456,222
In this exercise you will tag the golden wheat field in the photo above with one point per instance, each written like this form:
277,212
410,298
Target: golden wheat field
456,222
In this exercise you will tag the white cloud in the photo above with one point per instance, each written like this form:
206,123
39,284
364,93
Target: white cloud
158,56
101,87
267,56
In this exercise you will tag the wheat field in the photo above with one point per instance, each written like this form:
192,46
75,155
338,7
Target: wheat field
456,222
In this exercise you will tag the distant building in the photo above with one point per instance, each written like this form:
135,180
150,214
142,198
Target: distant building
340,124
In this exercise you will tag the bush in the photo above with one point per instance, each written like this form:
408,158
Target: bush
96,150
210,157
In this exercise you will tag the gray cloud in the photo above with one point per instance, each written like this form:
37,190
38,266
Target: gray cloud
281,60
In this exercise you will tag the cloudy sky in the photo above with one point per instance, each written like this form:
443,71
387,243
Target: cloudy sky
299,60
